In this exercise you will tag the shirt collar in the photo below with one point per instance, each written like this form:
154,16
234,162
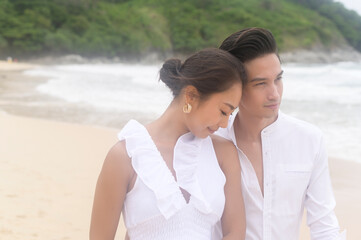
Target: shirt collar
267,129
273,126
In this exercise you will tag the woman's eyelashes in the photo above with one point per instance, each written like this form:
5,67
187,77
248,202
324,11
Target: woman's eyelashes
226,114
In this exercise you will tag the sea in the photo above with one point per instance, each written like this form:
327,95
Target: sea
326,95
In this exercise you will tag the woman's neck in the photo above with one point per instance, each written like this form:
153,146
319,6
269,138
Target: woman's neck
169,126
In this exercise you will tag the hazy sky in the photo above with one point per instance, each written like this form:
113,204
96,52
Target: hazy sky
352,4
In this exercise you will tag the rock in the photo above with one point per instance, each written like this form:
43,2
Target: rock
319,55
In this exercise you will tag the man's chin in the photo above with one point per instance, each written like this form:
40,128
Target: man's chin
272,116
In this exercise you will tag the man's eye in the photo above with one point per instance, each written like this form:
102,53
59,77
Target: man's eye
223,113
259,84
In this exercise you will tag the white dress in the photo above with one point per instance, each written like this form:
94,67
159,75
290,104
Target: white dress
155,208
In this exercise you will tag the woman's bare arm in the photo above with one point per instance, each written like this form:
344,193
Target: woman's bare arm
110,193
233,219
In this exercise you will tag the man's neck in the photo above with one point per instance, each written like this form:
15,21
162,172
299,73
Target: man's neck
249,127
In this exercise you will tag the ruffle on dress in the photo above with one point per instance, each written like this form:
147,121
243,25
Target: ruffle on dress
155,174
185,164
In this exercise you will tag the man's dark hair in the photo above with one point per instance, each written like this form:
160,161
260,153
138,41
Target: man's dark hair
250,43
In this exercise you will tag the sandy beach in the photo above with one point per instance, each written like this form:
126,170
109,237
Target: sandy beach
49,170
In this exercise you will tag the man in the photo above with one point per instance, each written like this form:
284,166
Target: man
284,162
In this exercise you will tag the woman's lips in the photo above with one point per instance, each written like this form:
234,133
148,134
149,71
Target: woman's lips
211,130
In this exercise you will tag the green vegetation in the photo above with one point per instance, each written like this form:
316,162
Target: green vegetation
137,27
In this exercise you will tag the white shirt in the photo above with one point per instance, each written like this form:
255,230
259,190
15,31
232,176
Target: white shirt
296,176
155,208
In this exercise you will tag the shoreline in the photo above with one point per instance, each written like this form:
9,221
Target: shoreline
315,55
20,97
13,80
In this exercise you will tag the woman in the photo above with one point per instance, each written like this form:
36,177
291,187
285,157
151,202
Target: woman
170,178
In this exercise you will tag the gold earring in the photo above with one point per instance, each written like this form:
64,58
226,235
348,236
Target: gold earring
187,108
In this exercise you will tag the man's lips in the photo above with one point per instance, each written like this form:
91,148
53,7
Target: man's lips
272,106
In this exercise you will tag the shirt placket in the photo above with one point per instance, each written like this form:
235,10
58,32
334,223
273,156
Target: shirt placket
267,174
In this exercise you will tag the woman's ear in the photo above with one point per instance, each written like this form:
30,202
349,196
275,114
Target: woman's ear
191,94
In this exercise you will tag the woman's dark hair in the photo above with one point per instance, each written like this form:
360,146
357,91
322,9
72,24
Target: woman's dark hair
209,71
250,43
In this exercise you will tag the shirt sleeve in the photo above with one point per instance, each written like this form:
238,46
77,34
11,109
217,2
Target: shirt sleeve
320,201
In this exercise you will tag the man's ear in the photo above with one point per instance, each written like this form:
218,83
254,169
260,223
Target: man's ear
191,94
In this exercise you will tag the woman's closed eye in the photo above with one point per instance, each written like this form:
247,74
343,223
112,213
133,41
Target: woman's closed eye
226,114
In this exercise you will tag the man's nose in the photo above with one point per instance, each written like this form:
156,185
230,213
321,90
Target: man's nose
273,92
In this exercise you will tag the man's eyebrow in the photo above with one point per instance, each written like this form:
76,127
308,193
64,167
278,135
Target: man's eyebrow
230,106
257,79
263,79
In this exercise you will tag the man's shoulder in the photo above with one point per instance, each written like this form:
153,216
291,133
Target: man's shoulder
298,126
298,136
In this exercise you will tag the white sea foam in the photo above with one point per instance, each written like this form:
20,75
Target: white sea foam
328,96
117,87
337,83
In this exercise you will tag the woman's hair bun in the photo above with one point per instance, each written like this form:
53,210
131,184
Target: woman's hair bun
209,70
170,74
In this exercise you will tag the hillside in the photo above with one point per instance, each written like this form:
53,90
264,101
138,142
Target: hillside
138,27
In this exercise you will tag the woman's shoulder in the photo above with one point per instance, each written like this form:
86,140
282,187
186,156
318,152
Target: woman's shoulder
222,143
117,160
224,149
118,151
